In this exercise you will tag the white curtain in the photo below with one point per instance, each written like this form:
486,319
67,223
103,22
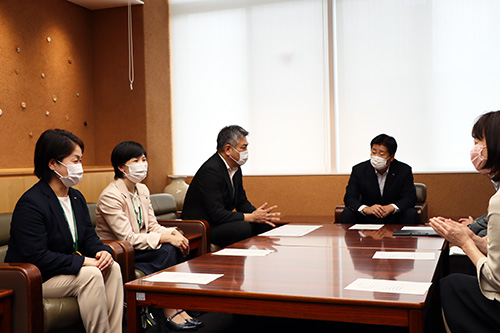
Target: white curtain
419,70
258,64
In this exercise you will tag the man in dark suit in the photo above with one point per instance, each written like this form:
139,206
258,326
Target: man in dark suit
381,190
216,193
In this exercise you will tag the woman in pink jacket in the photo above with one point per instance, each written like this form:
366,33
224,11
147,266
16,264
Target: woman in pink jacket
124,212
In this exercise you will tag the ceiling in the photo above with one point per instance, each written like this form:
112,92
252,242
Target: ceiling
102,4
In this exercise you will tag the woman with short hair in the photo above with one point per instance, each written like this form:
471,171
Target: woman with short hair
51,229
124,212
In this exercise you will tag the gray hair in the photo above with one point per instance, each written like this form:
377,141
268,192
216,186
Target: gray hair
230,134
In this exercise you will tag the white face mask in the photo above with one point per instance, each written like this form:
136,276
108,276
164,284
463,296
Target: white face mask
378,162
75,174
243,157
137,172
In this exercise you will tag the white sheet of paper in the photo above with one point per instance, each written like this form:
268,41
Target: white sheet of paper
390,286
404,255
183,277
410,227
242,252
456,251
366,227
290,230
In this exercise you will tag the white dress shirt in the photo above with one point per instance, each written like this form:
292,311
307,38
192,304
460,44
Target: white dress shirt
381,184
230,171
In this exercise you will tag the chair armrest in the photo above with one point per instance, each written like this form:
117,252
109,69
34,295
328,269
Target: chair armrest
123,252
423,215
192,226
338,210
26,282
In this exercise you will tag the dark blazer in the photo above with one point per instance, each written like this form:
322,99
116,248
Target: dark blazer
210,194
363,188
39,233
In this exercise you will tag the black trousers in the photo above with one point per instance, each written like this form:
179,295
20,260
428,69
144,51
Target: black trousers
465,307
409,216
228,233
151,261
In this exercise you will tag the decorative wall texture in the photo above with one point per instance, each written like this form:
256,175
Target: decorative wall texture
46,76
64,66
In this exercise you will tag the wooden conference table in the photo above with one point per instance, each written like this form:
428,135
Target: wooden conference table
304,277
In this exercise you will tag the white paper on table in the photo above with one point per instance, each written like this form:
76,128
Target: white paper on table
404,255
390,286
183,277
410,227
290,230
366,227
242,252
456,251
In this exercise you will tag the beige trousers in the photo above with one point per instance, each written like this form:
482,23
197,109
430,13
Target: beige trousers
99,295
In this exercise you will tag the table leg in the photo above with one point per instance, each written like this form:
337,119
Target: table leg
132,314
415,321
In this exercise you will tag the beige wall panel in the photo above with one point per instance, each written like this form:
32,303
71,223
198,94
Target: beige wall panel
13,185
449,195
11,188
93,183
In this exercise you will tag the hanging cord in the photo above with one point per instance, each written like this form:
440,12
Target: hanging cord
130,48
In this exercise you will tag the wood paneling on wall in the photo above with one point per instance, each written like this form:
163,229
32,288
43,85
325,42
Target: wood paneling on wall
448,194
120,112
14,182
144,113
159,141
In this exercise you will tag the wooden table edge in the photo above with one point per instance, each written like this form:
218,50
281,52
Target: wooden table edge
342,311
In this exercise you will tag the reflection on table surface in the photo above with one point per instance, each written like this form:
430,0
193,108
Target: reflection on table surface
339,235
316,266
306,272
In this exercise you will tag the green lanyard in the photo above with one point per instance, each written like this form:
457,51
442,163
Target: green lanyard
138,217
75,236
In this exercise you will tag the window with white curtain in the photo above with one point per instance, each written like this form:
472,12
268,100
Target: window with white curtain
419,70
258,64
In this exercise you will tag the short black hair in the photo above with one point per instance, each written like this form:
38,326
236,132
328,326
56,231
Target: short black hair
123,152
54,144
385,140
487,127
230,134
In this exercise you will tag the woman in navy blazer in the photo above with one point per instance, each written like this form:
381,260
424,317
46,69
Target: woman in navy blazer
51,229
